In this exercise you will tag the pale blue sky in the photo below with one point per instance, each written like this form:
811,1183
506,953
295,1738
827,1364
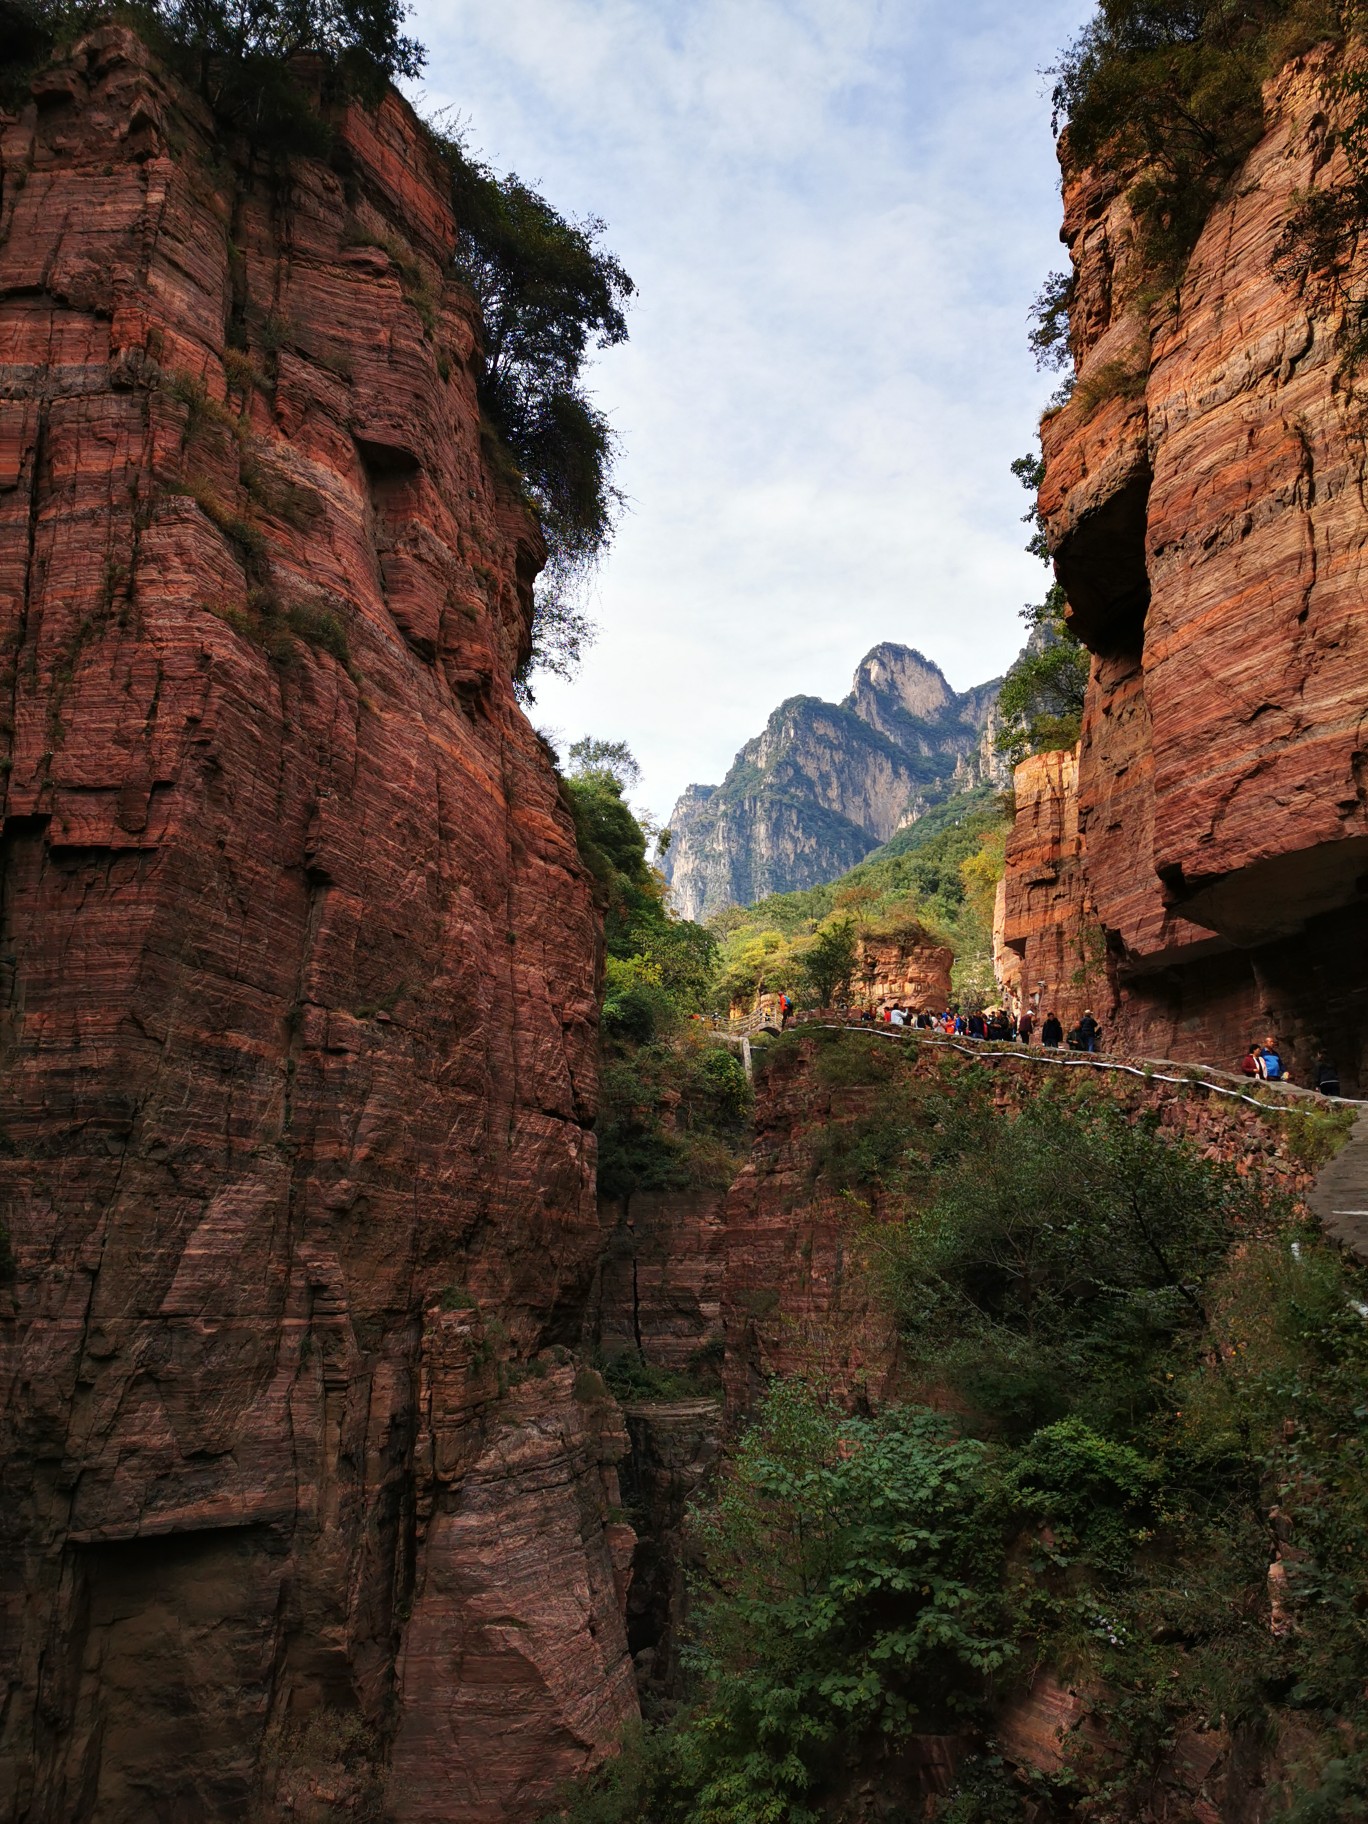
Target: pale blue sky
837,212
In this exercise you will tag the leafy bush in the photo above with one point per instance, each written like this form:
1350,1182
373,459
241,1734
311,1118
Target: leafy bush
631,1378
240,59
660,967
549,294
828,962
1167,1368
673,1115
851,1572
1057,1257
1167,93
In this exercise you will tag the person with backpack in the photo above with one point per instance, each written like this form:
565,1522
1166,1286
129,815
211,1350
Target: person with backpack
1089,1032
1052,1033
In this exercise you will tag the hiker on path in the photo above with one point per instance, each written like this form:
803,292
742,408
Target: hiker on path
1052,1033
1026,1026
1269,1060
1249,1063
1089,1032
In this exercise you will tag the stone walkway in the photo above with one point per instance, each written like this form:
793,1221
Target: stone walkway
1340,1198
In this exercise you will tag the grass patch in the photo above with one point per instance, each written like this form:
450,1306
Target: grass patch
277,624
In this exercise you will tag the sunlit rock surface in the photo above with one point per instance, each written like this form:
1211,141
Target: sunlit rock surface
827,782
1204,498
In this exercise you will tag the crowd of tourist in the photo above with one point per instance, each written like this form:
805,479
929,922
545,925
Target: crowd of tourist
998,1023
1263,1059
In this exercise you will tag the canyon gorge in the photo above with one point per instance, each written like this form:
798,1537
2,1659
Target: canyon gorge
353,1415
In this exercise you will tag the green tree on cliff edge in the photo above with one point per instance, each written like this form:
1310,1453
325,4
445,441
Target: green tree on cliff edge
1041,700
549,292
238,53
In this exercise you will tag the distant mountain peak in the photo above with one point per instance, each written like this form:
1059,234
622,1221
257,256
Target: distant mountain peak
824,783
899,676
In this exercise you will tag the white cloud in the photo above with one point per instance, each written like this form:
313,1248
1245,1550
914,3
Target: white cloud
837,212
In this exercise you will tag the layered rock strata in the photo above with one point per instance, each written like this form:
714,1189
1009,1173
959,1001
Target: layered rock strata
658,1292
906,966
1203,494
299,1003
1052,949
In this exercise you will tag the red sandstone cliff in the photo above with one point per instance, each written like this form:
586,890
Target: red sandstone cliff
1204,497
299,1014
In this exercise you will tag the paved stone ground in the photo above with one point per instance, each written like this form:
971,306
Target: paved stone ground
1340,1197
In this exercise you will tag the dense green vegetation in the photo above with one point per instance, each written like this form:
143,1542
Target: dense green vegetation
1041,700
1157,1374
1167,93
674,1104
240,58
936,876
549,292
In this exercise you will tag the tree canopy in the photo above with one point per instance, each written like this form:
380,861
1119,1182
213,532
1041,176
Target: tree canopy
550,294
1168,94
240,54
1041,700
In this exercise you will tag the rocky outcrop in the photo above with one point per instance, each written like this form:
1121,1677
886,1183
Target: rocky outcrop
826,783
657,1298
299,1002
1055,950
1203,494
907,966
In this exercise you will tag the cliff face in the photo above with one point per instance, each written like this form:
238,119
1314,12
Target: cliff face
1203,493
299,1005
1050,950
826,783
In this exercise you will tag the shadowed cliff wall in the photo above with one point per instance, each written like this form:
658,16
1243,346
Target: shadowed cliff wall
298,977
1203,493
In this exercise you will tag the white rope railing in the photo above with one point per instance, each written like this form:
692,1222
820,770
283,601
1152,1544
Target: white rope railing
989,1050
